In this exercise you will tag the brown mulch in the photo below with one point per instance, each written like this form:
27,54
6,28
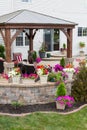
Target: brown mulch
9,108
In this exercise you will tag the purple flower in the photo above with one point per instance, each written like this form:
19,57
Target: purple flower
76,70
58,67
25,75
68,100
38,59
64,74
32,76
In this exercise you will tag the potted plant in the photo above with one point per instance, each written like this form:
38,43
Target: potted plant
82,45
65,100
15,75
32,55
61,98
69,69
62,62
63,49
28,78
61,91
48,55
42,71
42,50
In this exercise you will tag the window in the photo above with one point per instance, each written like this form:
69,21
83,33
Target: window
51,38
22,39
26,38
19,39
56,39
26,41
26,0
82,31
47,38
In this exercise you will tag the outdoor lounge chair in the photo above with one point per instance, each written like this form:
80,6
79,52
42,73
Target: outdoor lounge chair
17,57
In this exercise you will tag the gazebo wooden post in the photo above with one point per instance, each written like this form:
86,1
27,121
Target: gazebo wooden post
8,44
31,39
69,43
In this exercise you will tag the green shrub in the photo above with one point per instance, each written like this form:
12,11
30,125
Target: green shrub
62,62
2,51
61,90
64,46
16,104
79,86
34,55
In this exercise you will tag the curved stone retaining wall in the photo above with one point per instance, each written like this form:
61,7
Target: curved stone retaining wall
30,93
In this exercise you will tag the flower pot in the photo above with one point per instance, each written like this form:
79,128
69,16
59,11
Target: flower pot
48,55
43,78
60,106
81,53
70,75
64,52
42,54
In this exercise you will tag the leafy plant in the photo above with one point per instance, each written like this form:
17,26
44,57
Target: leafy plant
32,55
82,44
61,90
54,77
16,104
64,46
2,51
42,48
62,62
79,86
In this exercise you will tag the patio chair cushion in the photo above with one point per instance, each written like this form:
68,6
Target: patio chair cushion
17,57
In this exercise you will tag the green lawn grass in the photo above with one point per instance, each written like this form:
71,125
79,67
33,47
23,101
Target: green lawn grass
46,121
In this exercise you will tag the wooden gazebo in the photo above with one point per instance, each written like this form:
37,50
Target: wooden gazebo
25,19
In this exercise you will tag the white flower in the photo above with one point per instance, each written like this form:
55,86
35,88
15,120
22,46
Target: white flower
39,72
12,73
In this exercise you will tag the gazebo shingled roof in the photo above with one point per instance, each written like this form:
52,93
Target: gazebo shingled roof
25,19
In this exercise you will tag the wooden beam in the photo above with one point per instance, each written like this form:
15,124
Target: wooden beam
31,39
36,26
8,45
69,44
35,33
